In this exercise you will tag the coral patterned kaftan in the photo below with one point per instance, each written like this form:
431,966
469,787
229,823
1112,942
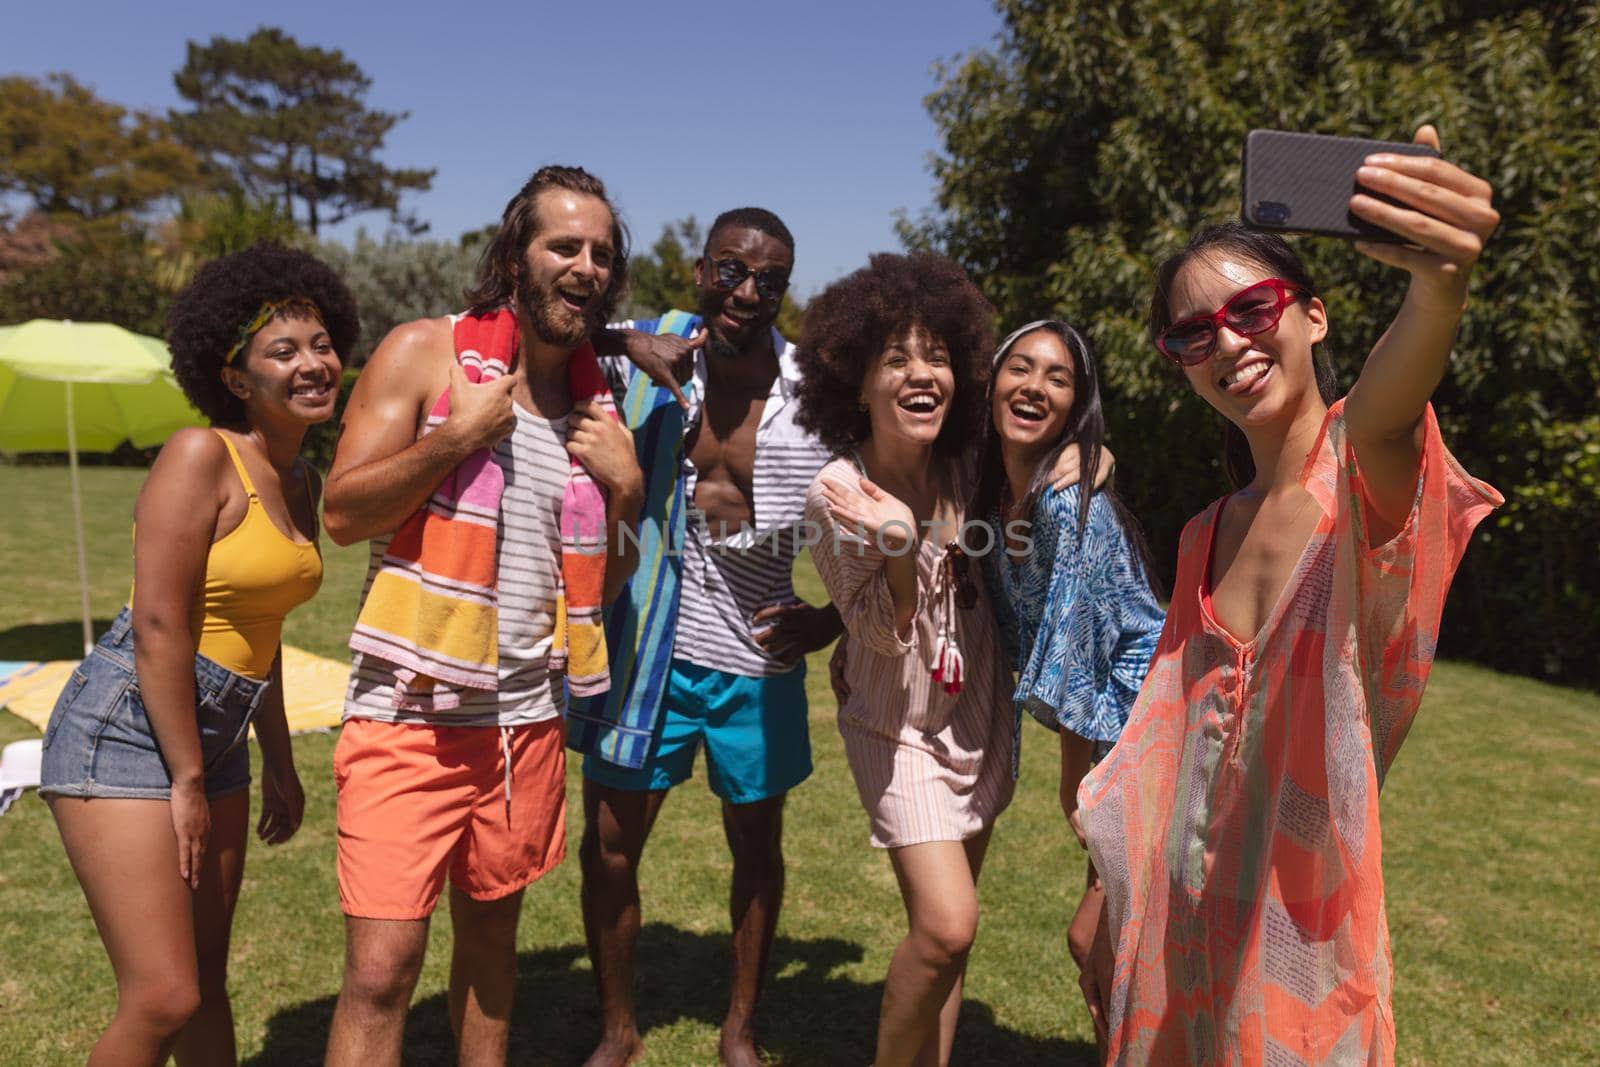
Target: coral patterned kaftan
1235,825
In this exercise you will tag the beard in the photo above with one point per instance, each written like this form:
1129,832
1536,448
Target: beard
553,322
722,348
719,344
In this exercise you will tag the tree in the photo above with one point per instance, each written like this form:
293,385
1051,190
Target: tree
30,241
71,153
290,120
395,281
215,224
663,278
101,275
1093,138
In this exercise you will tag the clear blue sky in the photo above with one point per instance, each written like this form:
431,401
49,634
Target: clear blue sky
813,109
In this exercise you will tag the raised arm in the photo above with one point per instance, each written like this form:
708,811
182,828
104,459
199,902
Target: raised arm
382,471
667,358
875,591
175,521
1447,216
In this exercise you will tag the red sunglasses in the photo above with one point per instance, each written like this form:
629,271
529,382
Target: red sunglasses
1252,310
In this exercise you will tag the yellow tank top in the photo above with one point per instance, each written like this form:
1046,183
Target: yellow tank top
255,575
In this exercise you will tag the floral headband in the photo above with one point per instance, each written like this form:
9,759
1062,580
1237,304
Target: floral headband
265,314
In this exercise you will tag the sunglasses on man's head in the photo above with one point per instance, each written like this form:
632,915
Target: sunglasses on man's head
771,283
1252,310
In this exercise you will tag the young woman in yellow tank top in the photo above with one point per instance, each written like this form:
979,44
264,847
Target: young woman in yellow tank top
145,766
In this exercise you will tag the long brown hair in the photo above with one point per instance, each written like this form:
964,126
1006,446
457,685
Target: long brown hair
1270,251
1085,430
501,262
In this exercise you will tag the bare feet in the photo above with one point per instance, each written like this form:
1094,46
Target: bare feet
616,1050
738,1048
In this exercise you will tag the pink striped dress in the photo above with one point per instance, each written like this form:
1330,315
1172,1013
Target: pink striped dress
929,765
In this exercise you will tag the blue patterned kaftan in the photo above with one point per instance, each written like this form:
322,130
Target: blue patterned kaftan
1078,620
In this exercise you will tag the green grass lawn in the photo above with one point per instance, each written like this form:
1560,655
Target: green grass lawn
1492,857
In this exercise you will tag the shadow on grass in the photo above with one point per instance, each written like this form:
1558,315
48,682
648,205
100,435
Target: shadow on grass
47,640
809,1015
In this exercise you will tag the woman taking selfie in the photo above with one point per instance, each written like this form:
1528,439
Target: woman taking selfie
894,359
1071,583
145,765
1235,825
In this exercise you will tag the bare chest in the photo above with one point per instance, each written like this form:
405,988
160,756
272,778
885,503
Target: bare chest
1256,547
723,450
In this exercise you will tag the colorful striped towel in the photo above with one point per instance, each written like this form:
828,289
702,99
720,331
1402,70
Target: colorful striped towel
579,645
432,609
641,624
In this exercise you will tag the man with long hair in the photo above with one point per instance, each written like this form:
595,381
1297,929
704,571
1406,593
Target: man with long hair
481,455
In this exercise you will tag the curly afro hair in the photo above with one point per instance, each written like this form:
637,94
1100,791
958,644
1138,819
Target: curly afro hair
847,325
226,293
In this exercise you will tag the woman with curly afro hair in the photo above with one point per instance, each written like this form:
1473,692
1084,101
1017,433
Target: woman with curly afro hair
145,766
895,358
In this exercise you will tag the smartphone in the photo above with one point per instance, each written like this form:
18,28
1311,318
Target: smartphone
1302,183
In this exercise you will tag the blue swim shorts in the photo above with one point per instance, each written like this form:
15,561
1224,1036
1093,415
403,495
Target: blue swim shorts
758,743
100,743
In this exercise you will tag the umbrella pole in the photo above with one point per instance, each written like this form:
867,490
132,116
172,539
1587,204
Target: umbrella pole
77,522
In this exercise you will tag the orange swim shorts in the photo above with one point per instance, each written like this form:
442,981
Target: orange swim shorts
420,803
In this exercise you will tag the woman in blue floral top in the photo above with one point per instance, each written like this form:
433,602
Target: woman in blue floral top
1072,579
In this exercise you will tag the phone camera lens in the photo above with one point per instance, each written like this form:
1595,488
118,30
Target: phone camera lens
1271,213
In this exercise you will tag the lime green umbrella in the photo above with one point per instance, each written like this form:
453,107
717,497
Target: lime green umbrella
66,386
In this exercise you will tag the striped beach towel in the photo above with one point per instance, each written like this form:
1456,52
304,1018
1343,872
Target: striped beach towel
432,609
579,645
641,624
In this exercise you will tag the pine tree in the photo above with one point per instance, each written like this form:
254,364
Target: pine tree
290,120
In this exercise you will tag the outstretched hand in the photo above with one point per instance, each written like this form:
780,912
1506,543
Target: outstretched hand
868,510
1447,216
667,358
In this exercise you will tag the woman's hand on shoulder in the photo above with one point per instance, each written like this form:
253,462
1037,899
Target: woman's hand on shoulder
1069,468
1446,214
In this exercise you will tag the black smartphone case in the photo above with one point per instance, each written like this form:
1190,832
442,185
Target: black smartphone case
1302,183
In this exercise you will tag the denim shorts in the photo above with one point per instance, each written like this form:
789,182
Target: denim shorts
100,742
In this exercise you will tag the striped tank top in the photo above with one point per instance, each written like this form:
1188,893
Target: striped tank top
535,463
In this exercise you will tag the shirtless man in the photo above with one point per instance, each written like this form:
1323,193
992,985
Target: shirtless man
731,636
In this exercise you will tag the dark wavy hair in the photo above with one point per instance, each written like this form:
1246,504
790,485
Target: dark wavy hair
1085,429
1274,253
496,283
204,320
847,325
